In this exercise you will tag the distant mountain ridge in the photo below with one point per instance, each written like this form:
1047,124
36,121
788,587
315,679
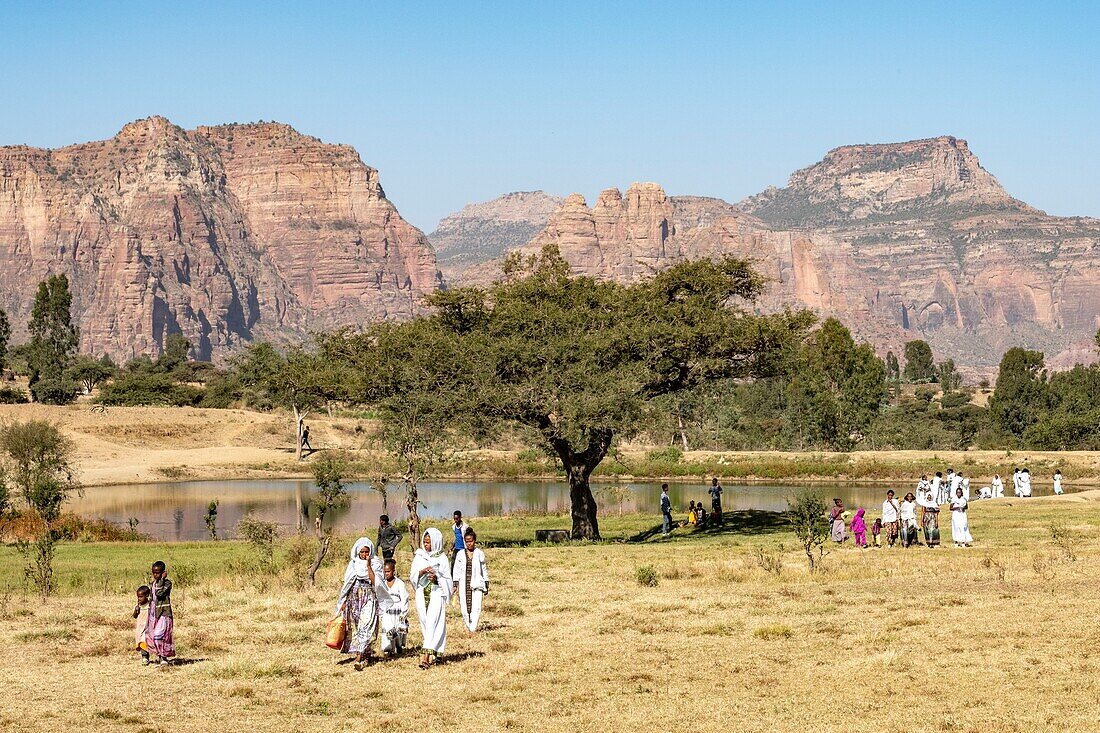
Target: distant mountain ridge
900,241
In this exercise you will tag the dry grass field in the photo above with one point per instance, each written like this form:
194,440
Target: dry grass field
1000,637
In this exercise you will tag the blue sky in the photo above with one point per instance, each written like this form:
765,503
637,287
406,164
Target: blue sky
457,102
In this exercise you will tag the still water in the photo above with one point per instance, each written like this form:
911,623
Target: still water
174,510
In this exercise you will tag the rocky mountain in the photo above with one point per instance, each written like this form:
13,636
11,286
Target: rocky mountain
226,234
484,231
901,241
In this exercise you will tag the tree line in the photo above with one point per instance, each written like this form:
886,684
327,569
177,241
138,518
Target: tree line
574,365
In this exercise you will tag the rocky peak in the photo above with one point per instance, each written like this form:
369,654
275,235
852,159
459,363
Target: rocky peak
915,179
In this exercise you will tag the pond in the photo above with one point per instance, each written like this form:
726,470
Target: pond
174,510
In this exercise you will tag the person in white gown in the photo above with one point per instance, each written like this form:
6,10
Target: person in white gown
1058,483
471,576
393,611
1016,482
986,492
965,484
998,487
1025,483
430,577
960,522
937,488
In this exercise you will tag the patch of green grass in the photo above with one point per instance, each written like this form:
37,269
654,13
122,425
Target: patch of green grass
773,631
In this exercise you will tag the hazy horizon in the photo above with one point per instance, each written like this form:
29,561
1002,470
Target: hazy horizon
456,104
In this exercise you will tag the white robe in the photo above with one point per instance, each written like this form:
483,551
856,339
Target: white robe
937,489
965,484
998,488
960,523
479,584
1058,483
985,493
1016,484
433,613
1025,484
393,610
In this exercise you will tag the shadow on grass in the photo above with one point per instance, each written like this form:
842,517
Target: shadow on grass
452,658
183,662
748,521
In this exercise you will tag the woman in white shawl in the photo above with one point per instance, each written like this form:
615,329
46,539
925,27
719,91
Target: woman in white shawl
960,524
471,576
431,582
358,601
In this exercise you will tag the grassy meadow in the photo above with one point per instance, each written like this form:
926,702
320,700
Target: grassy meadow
737,634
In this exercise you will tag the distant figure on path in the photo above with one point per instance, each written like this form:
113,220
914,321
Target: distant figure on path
471,577
160,625
715,492
960,523
393,611
859,528
305,439
1058,483
388,537
998,487
891,512
836,520
432,587
666,511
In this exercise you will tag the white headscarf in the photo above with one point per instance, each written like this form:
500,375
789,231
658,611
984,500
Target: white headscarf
436,558
357,567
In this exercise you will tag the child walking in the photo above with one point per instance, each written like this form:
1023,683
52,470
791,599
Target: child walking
141,620
876,529
859,529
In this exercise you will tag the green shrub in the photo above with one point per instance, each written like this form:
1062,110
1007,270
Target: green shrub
12,396
671,454
55,390
140,388
647,576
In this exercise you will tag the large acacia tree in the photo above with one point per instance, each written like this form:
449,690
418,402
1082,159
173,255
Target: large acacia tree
578,360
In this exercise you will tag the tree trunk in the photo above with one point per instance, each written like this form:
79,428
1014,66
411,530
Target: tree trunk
299,508
411,503
299,426
579,466
322,550
683,433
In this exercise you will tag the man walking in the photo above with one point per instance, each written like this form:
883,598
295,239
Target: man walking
459,528
388,537
666,511
715,492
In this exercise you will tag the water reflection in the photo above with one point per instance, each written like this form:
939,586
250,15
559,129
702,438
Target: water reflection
175,510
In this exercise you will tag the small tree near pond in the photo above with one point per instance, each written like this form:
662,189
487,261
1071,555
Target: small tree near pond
37,463
806,513
332,494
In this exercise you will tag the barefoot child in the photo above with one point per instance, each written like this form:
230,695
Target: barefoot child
159,628
141,620
859,528
393,609
876,529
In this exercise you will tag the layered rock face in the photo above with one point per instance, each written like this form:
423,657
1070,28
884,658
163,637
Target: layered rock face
484,231
904,241
226,234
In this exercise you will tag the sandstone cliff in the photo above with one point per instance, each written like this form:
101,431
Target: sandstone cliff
224,233
484,231
903,241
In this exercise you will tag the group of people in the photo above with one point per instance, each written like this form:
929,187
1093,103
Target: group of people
373,601
697,515
919,511
370,607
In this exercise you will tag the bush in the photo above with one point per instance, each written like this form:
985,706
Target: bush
954,399
12,396
262,536
806,513
647,576
672,454
55,390
140,388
